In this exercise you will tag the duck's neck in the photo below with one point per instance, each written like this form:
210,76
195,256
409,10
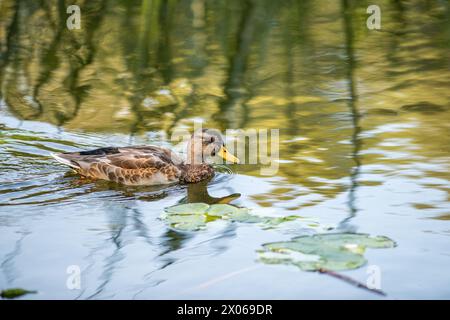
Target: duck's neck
194,154
194,168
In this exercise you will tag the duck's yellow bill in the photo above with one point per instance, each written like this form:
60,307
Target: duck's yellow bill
224,154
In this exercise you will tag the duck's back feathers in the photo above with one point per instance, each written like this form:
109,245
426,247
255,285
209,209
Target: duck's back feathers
138,165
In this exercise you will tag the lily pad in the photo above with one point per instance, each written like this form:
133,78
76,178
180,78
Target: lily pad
14,293
335,251
195,216
187,222
188,208
272,222
243,215
222,210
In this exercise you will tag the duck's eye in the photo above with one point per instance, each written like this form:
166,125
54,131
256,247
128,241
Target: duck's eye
212,139
213,153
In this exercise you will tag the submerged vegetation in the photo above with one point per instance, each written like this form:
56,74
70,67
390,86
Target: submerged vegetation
14,293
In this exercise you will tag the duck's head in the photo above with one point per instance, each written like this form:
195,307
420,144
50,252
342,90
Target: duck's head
207,143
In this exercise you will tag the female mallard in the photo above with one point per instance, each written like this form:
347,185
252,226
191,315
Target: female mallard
150,165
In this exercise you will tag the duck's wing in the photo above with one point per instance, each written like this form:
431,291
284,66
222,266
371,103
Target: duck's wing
129,165
163,154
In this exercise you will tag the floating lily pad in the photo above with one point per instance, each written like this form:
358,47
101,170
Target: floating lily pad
187,221
195,216
272,222
222,210
243,215
14,293
188,208
338,251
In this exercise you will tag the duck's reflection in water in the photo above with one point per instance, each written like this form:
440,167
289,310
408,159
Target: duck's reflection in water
128,223
195,192
198,192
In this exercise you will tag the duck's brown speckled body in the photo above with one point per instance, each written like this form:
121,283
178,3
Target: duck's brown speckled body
149,165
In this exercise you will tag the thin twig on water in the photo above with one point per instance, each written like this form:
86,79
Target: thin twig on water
351,281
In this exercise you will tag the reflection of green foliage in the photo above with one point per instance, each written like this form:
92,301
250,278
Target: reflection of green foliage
143,66
338,251
195,216
14,293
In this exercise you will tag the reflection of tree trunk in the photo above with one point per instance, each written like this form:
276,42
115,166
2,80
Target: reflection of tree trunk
8,264
139,62
12,57
145,34
398,11
238,62
172,241
119,222
78,93
300,18
10,40
290,109
50,60
356,142
61,42
164,44
238,66
152,36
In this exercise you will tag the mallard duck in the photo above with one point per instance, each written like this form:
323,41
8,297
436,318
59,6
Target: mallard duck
150,165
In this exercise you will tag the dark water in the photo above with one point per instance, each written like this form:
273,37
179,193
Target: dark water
364,142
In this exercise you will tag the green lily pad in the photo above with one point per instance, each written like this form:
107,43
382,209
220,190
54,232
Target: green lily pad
190,223
186,218
221,210
195,216
188,208
14,293
243,215
272,222
337,251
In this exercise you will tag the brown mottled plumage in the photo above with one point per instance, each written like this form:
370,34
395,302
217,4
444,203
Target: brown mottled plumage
149,165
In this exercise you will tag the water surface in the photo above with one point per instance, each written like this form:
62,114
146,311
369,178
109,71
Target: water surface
364,143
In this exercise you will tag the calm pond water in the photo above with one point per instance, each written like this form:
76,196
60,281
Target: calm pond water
364,143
